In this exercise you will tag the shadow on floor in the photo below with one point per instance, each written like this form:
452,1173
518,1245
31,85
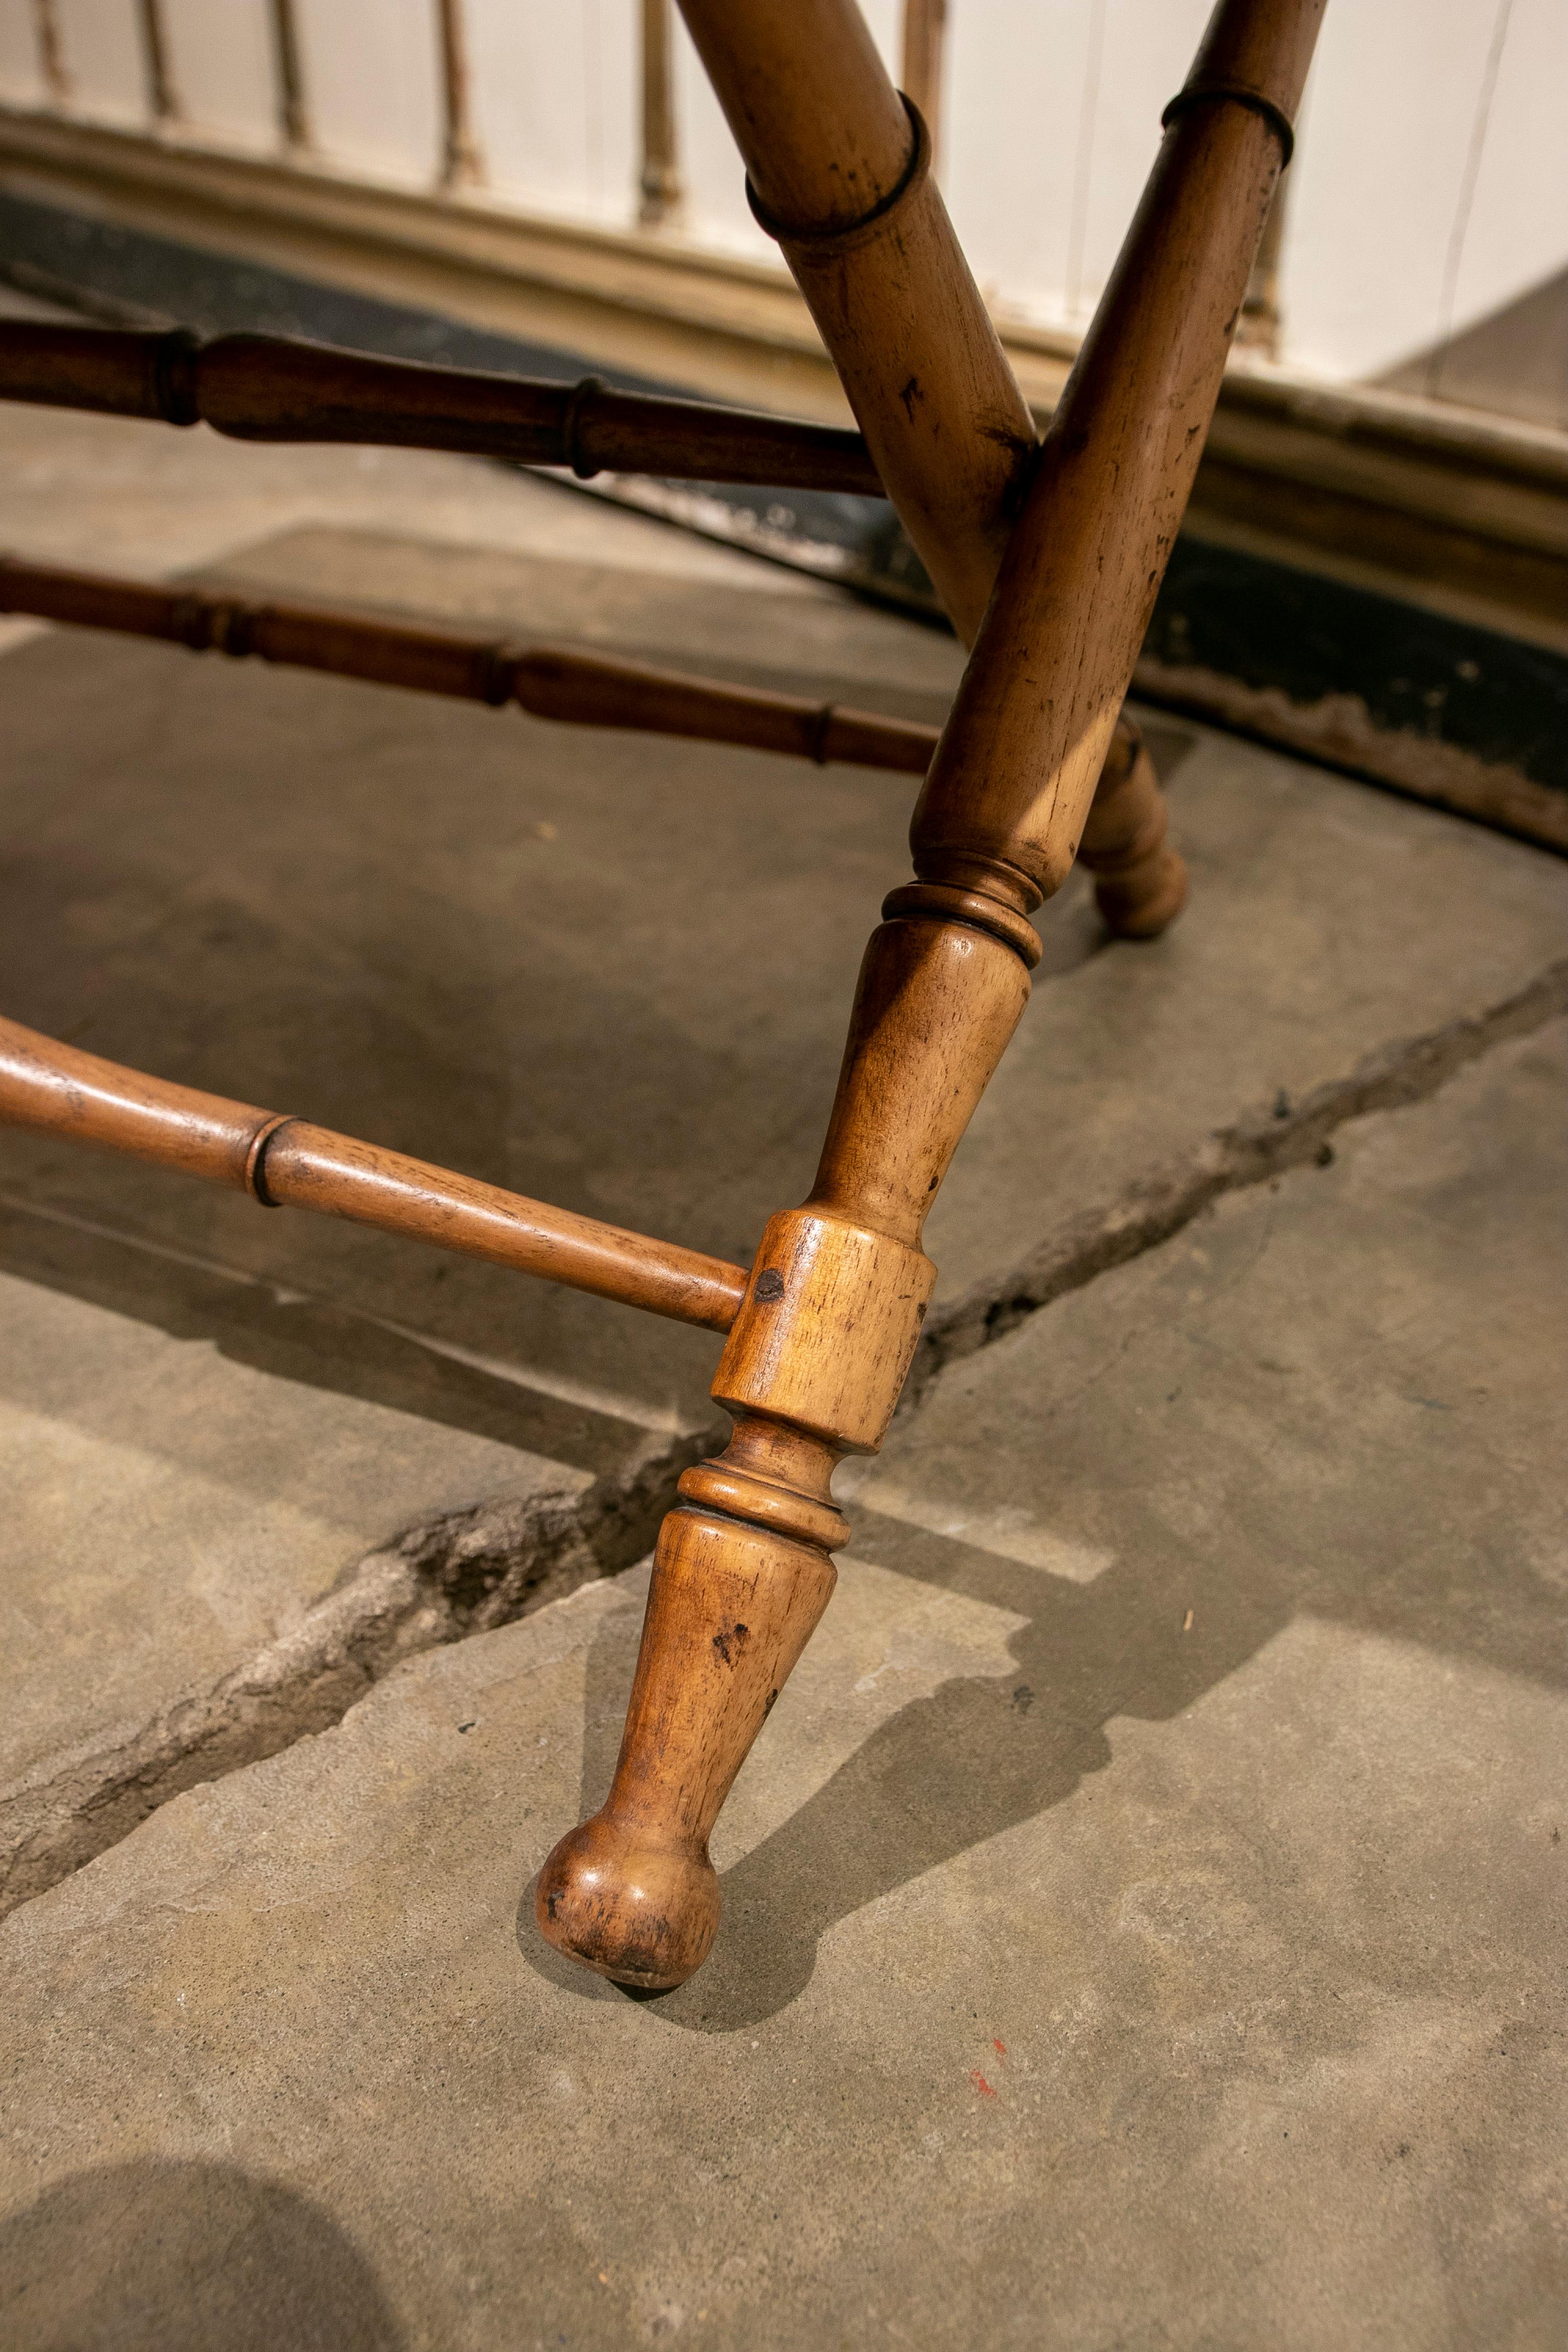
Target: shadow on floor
184,2257
982,1754
312,1341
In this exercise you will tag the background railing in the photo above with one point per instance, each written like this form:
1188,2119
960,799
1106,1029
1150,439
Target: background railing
1423,244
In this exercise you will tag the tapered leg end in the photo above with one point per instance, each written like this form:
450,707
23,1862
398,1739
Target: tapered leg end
1144,902
637,1913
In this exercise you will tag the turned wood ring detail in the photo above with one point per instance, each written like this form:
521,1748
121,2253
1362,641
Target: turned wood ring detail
496,671
915,172
1238,92
254,1171
174,377
938,902
571,422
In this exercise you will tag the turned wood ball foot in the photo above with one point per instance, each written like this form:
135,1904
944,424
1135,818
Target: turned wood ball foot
639,1913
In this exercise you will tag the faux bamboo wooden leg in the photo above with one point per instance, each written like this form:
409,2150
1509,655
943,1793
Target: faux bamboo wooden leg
896,304
820,1348
812,1370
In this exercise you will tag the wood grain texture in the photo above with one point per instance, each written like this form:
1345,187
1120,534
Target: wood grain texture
819,124
552,682
273,388
281,1160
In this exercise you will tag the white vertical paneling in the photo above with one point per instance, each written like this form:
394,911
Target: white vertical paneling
1148,53
102,43
1517,232
1378,179
556,101
1053,119
221,60
885,19
373,85
1016,79
21,79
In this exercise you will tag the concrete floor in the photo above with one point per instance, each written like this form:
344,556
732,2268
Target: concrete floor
1144,1910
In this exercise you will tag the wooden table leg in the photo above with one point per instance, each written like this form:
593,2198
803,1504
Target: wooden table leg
812,1370
816,1356
896,304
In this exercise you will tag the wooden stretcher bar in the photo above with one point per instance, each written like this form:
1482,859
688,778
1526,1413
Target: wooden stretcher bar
273,388
1123,841
284,1162
554,682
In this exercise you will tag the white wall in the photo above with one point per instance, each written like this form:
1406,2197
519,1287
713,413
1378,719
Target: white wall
372,90
223,68
1051,121
557,104
102,45
1392,112
1410,216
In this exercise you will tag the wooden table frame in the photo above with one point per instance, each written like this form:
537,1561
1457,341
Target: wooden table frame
1047,557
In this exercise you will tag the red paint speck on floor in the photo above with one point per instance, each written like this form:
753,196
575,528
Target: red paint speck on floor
980,2082
999,2047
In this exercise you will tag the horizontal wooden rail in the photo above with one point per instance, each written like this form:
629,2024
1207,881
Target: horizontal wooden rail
282,1161
273,388
549,681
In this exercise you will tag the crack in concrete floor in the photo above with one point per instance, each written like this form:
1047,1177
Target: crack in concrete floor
468,1571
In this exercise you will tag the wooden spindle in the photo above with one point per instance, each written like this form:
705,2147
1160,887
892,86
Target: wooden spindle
158,64
462,164
273,388
660,179
280,1160
1140,880
288,70
925,36
51,53
820,1348
554,682
1140,883
840,174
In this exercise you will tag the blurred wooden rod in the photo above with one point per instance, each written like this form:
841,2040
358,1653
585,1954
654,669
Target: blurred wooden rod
273,388
288,75
461,163
279,1160
550,681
